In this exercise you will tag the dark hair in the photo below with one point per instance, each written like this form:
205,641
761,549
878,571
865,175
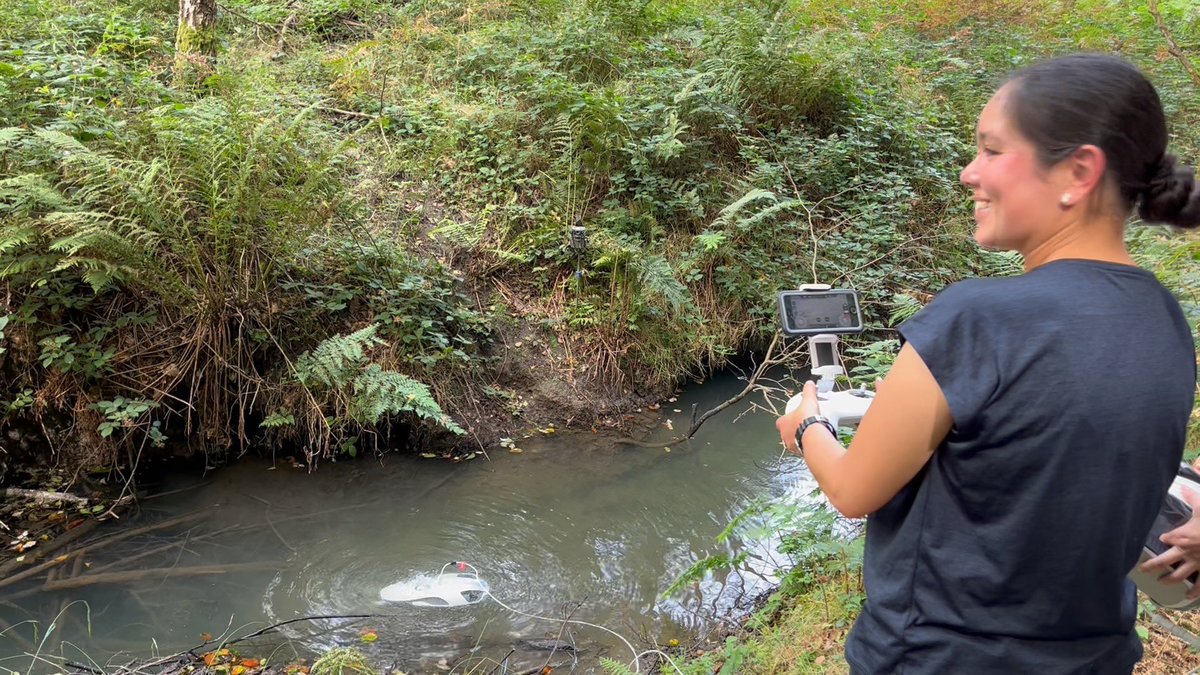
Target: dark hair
1094,99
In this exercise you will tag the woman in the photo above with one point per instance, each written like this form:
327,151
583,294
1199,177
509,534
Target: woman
1016,454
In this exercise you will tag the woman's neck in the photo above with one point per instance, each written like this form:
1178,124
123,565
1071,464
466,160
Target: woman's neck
1102,240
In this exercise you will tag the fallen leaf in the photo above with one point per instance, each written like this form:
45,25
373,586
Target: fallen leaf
238,670
515,450
210,658
207,637
369,636
251,663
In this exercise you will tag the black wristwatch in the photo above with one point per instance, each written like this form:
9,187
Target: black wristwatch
808,422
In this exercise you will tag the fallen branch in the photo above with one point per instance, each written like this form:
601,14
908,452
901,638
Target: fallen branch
1172,46
37,569
157,573
161,549
257,24
58,542
287,23
42,497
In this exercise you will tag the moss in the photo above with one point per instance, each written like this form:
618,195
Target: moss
191,40
195,54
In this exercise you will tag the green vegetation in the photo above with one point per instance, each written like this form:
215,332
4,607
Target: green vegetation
342,661
408,173
323,244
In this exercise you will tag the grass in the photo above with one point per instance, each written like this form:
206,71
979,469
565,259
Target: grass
804,633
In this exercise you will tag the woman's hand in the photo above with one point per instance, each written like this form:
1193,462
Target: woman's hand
789,423
1185,548
809,406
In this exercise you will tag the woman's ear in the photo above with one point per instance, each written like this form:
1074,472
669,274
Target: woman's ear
1085,170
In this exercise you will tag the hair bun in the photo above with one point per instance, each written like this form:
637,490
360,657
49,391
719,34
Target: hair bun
1171,195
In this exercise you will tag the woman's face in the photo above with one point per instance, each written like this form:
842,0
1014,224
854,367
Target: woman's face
1017,202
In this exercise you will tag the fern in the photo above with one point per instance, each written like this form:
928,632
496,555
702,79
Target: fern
28,194
656,278
903,307
337,360
613,667
764,214
10,135
13,237
729,213
340,366
378,392
466,233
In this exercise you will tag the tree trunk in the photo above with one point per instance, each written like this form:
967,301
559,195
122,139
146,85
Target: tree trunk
195,41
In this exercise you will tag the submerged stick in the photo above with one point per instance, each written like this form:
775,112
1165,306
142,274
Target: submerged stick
163,572
58,542
121,536
163,548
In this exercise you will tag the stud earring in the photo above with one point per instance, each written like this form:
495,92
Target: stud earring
1066,200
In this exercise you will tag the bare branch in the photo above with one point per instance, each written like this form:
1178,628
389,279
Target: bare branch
1173,46
770,360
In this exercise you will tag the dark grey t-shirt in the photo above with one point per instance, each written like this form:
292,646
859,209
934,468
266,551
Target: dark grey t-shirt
1070,389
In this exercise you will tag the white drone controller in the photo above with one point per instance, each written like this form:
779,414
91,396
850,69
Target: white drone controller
819,313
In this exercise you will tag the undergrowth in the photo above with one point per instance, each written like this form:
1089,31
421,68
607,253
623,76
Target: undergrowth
175,262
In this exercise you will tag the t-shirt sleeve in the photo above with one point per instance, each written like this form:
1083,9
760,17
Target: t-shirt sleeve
952,336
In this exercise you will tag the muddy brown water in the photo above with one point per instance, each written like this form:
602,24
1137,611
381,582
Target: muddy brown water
574,525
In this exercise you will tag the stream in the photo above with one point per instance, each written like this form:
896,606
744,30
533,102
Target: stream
573,525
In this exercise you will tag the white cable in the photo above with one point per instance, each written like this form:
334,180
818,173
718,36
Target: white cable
637,667
664,655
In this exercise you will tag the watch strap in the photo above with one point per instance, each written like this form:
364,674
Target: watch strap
808,422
